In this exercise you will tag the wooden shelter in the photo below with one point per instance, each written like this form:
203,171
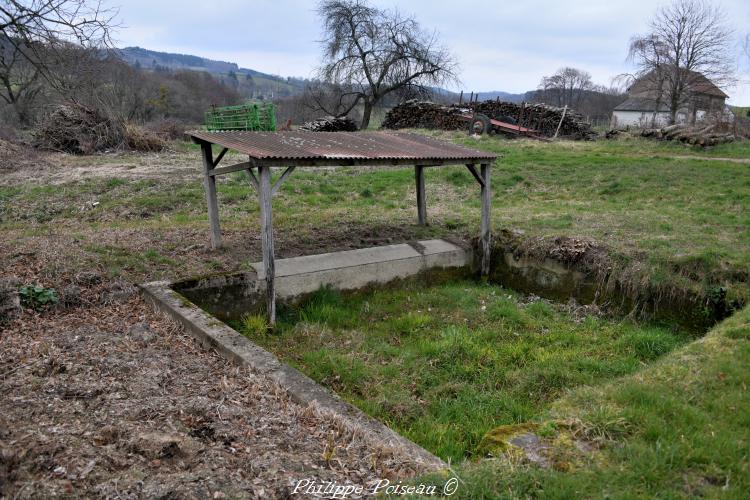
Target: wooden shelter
290,150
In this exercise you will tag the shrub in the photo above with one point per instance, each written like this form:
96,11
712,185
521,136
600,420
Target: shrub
38,297
140,139
168,129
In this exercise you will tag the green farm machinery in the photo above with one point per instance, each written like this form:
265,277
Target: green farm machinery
250,116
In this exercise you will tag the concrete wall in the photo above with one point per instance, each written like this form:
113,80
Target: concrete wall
232,295
638,119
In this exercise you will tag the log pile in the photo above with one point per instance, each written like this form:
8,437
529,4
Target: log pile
423,114
540,117
330,124
698,136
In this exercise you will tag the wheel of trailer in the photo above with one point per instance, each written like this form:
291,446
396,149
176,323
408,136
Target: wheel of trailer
480,124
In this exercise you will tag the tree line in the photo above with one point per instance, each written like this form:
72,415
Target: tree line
61,50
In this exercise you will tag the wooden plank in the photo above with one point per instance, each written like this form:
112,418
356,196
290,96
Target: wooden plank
421,203
266,232
232,168
209,184
476,175
565,110
484,236
286,173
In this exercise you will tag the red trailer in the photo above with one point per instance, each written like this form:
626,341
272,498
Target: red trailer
483,124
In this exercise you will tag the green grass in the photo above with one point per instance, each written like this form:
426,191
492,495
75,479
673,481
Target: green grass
662,215
444,365
677,429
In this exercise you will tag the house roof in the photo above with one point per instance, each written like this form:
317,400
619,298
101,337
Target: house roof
640,104
697,82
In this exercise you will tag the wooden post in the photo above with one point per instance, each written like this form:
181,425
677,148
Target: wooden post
484,236
565,110
266,232
421,204
209,184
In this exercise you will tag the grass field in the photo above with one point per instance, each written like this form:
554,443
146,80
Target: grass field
679,217
445,365
679,222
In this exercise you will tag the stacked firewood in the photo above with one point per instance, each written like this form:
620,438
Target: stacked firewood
330,124
702,135
423,114
542,118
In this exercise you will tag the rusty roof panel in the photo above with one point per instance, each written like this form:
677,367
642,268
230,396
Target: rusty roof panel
362,146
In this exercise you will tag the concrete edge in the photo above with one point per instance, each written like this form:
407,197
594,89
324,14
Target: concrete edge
212,333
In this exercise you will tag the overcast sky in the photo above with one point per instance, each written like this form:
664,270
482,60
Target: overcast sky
500,44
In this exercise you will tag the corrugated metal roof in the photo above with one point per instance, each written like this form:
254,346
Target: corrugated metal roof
360,146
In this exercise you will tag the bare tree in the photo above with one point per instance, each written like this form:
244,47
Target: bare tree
370,53
38,38
688,40
19,81
566,87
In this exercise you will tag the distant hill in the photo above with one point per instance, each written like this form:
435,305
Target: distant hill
504,96
151,59
248,82
253,83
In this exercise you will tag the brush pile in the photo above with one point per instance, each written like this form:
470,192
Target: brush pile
330,124
74,128
697,136
140,139
540,117
77,129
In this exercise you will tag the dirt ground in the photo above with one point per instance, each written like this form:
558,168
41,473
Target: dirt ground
105,397
102,396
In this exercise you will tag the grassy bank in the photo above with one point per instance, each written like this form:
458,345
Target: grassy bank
446,364
673,430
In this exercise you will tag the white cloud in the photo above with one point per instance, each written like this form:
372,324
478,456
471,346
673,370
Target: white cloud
500,44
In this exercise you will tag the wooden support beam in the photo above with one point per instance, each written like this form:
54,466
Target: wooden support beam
476,175
421,203
484,236
221,155
266,232
209,184
286,173
253,179
232,168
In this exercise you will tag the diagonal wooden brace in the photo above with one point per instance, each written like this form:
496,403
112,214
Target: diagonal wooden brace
476,175
277,185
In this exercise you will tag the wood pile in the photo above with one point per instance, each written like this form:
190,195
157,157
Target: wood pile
696,135
424,114
330,124
540,117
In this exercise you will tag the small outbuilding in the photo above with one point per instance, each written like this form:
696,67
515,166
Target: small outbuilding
289,150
